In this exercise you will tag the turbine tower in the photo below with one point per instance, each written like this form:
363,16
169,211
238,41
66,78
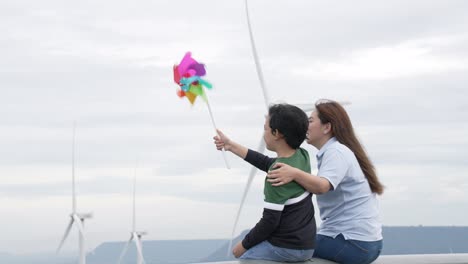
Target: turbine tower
134,235
76,218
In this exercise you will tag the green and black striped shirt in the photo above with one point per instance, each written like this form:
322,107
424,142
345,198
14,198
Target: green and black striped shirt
288,217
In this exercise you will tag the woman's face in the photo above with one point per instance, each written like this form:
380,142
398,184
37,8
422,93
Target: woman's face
315,132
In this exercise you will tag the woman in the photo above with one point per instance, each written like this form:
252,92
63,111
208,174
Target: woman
346,186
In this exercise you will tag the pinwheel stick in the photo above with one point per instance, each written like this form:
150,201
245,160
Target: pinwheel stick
215,128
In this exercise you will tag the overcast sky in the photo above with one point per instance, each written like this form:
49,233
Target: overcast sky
108,65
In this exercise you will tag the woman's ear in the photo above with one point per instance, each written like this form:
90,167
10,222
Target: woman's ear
327,128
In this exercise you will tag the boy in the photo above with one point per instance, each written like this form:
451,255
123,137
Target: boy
287,229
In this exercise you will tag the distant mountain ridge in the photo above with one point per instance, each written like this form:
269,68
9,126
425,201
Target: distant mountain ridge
157,251
398,240
402,240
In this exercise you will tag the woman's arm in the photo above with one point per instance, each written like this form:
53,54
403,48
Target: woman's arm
283,173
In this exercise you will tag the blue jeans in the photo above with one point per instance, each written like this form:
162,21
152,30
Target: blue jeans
267,251
347,251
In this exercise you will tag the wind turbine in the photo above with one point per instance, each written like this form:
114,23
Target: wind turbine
76,218
134,235
261,145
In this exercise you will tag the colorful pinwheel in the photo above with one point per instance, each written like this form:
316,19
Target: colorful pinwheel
188,76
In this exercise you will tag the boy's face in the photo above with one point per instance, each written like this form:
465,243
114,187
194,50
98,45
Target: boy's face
268,135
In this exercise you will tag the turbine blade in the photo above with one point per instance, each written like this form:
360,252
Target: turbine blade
253,171
79,224
306,107
258,66
139,249
67,231
124,251
311,107
266,98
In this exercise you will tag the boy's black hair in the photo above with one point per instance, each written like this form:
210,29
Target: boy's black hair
290,121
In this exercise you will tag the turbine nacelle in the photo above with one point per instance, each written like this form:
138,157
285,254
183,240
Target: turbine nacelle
83,216
135,236
140,233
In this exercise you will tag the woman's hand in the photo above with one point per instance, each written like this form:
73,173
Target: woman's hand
281,174
222,141
238,250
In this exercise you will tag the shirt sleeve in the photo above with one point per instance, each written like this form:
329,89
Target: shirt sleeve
333,167
263,229
259,160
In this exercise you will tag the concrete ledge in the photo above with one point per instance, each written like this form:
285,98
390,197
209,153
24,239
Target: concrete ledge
386,259
314,261
424,259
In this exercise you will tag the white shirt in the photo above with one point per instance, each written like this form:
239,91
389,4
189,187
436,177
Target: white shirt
349,208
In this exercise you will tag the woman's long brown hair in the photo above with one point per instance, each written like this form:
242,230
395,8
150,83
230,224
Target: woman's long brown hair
332,112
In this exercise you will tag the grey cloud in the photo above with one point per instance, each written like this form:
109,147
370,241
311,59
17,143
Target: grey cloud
109,67
110,185
334,28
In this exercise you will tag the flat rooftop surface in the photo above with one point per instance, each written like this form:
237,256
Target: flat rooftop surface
386,259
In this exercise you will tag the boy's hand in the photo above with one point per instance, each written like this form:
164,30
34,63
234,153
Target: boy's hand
238,250
222,141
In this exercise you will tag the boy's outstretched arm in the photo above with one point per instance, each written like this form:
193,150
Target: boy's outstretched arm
222,141
262,162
